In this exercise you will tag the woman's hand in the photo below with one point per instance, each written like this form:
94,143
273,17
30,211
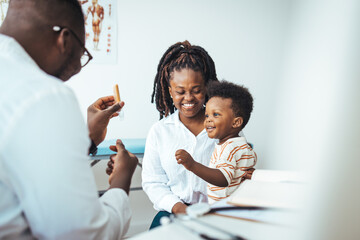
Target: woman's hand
179,208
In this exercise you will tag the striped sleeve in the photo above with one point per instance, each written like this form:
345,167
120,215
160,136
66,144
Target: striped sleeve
227,160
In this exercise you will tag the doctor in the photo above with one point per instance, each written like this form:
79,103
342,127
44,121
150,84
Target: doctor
47,187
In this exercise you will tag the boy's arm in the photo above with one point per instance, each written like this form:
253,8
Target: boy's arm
210,175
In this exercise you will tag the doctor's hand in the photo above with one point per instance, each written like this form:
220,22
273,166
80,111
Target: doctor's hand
184,158
123,167
98,116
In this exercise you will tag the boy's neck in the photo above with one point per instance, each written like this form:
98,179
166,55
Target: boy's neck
232,135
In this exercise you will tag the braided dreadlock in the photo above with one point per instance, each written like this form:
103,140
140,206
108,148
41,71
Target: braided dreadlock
179,56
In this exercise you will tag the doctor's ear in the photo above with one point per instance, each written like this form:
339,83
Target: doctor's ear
63,39
237,122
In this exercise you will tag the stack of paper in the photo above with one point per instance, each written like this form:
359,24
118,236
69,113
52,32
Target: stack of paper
271,189
265,215
270,196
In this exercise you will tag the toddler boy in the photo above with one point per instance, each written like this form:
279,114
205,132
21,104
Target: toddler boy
227,113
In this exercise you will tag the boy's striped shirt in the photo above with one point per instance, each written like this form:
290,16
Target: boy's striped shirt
232,158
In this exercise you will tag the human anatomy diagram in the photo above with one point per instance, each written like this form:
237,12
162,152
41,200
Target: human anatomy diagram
101,29
97,13
3,9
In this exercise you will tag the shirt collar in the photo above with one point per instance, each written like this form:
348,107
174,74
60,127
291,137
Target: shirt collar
175,119
9,46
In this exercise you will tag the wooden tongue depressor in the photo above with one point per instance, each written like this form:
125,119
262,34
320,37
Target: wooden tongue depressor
116,93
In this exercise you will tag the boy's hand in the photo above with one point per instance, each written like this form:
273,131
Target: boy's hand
184,158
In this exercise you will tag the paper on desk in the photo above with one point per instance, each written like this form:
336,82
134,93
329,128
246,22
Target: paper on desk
268,194
266,215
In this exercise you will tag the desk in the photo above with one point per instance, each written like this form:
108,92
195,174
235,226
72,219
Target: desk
133,145
243,228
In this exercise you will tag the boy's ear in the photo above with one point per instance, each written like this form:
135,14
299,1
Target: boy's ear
238,121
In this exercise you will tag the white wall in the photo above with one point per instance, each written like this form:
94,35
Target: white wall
246,39
319,106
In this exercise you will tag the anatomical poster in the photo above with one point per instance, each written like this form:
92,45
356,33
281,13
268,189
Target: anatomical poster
3,9
101,31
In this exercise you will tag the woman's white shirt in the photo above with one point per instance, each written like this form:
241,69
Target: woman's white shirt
164,180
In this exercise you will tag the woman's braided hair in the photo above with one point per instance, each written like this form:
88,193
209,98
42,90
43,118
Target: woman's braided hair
179,56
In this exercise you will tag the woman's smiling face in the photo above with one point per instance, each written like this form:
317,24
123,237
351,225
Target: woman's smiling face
188,91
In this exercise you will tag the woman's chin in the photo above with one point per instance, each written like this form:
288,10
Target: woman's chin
191,112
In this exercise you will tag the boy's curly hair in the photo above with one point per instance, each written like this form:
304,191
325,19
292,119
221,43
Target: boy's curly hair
242,101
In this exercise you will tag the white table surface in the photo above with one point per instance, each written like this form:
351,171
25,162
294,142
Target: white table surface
244,228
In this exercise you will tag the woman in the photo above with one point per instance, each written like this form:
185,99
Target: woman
179,92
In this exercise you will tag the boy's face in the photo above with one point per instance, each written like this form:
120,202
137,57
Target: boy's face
220,121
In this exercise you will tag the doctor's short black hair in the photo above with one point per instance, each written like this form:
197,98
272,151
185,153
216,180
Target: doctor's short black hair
242,101
45,13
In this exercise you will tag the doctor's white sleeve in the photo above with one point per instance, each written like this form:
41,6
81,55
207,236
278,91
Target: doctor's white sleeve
51,175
